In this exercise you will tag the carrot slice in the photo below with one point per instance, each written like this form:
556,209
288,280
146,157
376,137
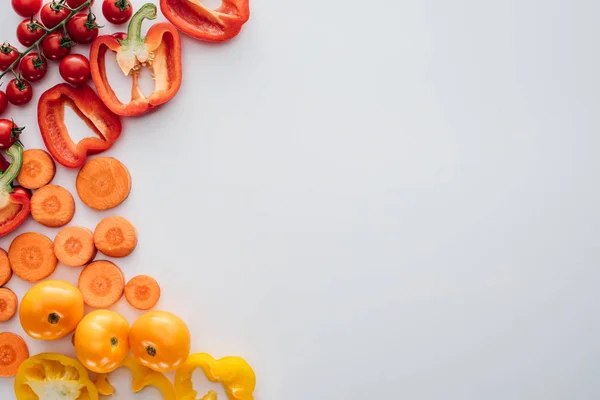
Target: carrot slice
31,256
101,284
13,351
115,237
38,169
142,292
74,246
103,183
8,304
52,206
5,270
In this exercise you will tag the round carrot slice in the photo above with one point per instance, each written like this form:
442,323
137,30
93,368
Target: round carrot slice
52,206
38,169
115,237
13,351
74,246
101,284
103,183
5,270
8,304
31,256
142,292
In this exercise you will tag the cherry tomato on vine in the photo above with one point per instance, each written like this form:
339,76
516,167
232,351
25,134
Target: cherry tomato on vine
19,92
26,8
33,67
77,3
8,55
55,46
83,28
9,133
75,69
3,101
117,11
28,32
53,14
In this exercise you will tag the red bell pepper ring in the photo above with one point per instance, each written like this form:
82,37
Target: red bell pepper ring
202,23
15,204
88,106
160,50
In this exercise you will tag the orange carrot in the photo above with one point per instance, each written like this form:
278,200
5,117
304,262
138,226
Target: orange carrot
31,256
74,246
115,237
8,304
13,351
38,169
103,183
5,269
52,206
101,284
142,292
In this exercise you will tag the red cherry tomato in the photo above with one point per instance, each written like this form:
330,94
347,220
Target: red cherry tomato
117,11
9,133
76,3
19,92
83,28
120,35
8,55
3,101
53,14
27,33
22,190
26,8
75,69
33,67
55,47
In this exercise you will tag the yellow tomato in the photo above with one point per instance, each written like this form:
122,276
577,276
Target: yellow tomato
51,310
160,340
101,340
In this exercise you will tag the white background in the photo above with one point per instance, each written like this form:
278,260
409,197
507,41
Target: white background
389,200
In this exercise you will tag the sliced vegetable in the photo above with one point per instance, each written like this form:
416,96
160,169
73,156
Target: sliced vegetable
74,246
101,340
142,292
8,305
160,340
52,206
15,206
115,237
141,377
13,352
103,183
51,310
202,23
31,256
38,169
88,107
160,50
53,376
101,284
5,269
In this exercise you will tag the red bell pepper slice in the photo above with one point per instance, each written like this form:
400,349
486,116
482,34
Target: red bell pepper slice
88,106
160,50
202,23
15,204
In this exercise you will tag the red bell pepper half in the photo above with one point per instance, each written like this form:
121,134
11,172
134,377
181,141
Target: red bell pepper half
15,205
202,23
160,51
88,106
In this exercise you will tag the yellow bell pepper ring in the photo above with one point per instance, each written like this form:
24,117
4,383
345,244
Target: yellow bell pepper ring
53,376
141,377
234,373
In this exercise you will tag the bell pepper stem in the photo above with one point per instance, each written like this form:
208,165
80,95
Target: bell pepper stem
134,30
15,152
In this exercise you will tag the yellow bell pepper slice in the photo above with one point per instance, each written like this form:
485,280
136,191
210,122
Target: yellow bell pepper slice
141,377
234,373
53,376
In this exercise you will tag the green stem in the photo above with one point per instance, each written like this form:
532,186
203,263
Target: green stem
48,31
134,31
15,152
